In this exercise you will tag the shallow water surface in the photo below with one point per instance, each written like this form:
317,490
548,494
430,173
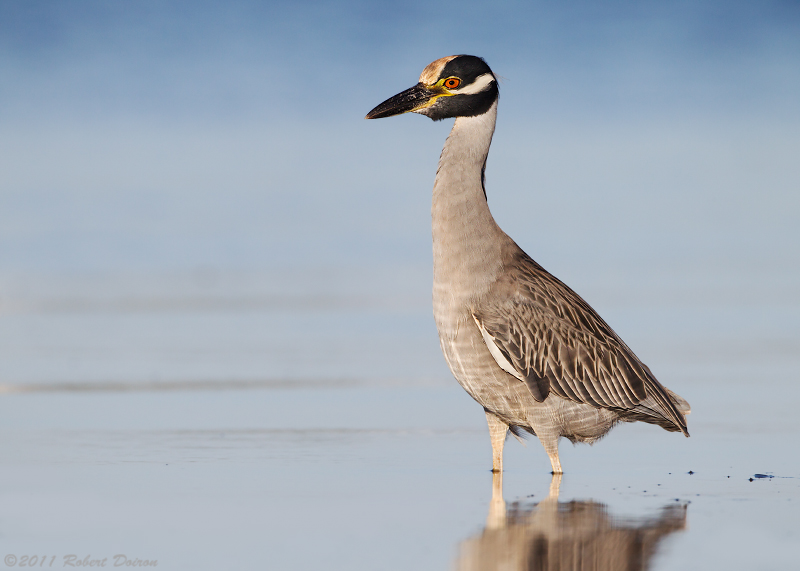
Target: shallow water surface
257,477
135,426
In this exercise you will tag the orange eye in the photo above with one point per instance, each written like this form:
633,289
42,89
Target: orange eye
452,82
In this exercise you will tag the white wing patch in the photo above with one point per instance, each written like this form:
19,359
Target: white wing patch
502,362
481,83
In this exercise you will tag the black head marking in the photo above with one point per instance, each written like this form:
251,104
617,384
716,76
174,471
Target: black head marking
467,69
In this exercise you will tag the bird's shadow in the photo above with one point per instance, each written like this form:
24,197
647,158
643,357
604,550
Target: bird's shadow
557,535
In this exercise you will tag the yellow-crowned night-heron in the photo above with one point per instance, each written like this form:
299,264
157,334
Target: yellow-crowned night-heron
526,347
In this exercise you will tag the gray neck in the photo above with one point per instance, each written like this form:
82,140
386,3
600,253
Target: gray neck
466,239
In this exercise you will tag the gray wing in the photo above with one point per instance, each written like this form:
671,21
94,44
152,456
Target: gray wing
543,333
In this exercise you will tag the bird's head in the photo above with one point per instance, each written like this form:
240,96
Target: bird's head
453,86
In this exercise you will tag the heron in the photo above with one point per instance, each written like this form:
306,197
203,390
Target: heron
525,346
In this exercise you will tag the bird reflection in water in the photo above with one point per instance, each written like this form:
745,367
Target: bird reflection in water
553,535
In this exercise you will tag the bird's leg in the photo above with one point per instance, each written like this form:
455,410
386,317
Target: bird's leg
551,447
498,430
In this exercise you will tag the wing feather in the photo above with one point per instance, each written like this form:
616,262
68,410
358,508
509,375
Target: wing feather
551,339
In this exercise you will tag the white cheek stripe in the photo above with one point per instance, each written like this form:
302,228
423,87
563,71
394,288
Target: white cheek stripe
481,83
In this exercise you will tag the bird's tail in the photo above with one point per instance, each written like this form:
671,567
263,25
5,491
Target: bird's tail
666,409
680,402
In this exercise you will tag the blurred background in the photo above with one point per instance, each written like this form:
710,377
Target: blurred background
164,162
191,201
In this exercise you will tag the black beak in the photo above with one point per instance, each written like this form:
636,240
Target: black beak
409,100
